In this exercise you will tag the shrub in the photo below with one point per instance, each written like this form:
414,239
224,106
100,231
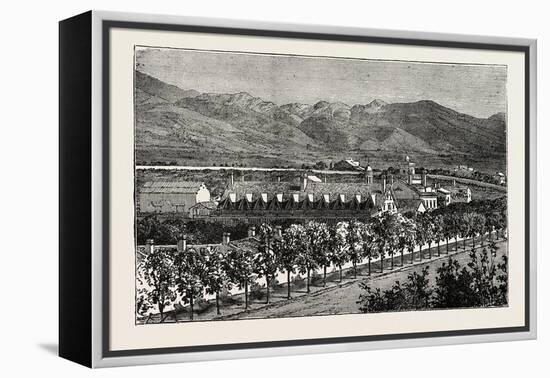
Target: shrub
257,291
317,279
202,305
228,299
298,282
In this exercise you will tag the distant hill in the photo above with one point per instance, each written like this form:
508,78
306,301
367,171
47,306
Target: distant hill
153,87
202,128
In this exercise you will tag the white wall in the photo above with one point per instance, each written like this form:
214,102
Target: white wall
28,322
203,195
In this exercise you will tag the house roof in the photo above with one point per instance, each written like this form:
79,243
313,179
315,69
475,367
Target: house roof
314,178
349,163
289,189
406,197
428,194
403,191
256,188
171,186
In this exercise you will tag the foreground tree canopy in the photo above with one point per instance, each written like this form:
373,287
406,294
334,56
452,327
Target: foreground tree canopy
167,276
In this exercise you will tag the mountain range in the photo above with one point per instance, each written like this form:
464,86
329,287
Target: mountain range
173,124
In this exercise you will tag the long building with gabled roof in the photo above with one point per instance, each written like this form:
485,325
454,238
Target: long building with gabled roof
305,197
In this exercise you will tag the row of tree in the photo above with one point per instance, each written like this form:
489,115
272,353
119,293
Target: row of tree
169,276
483,283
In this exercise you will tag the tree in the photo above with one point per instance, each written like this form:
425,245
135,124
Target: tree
467,227
448,227
215,278
501,220
420,235
481,227
157,271
429,231
353,239
474,223
287,250
320,165
371,301
339,254
265,263
482,283
439,231
484,274
378,233
414,294
491,223
418,289
190,270
321,243
240,269
316,238
391,229
406,239
453,286
502,282
147,228
367,240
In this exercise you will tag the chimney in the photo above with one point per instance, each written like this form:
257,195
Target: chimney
182,243
149,246
251,231
454,182
304,182
279,197
278,231
325,179
384,184
225,238
242,177
232,178
369,174
424,179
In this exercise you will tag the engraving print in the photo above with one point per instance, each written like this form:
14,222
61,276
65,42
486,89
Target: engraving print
272,186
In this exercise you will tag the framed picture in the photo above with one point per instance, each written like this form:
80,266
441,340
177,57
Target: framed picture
234,189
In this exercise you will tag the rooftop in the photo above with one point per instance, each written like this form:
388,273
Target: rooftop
171,186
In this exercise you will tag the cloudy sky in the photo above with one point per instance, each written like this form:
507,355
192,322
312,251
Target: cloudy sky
472,89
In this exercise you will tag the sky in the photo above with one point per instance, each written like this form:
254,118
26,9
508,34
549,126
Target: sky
477,90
